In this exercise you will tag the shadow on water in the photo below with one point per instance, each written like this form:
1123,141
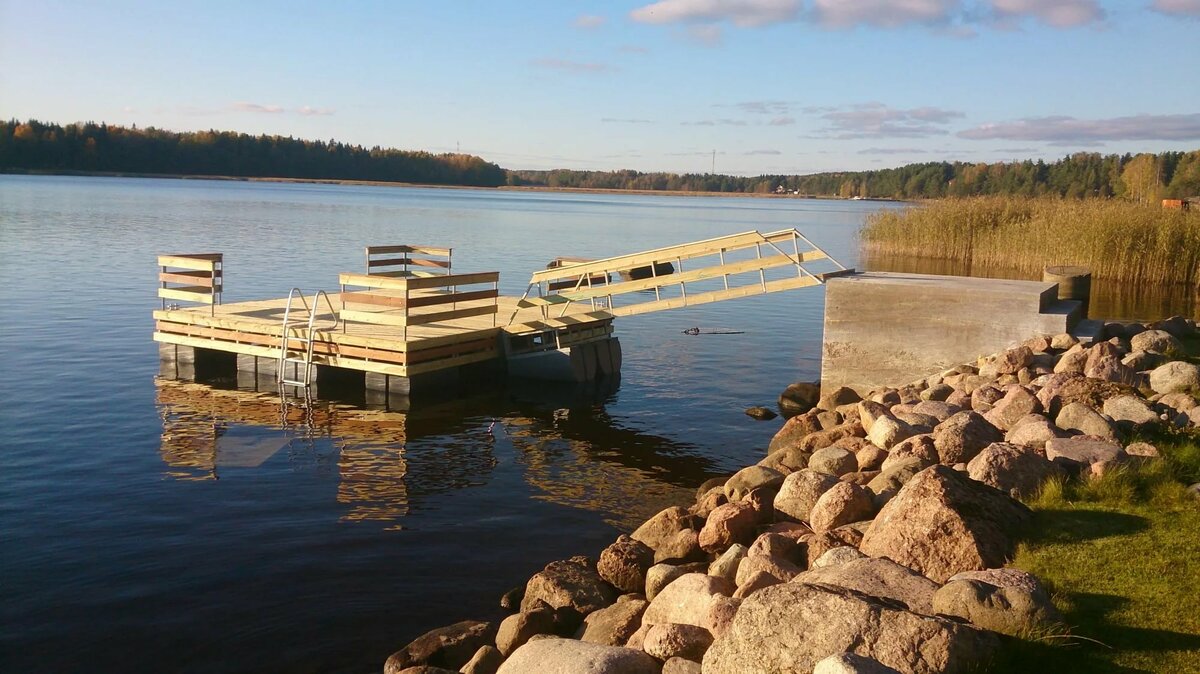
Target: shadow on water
389,463
1109,300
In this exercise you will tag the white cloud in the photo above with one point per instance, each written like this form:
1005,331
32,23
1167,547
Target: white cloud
242,106
1184,8
876,120
1072,131
781,121
309,111
590,21
1057,13
738,12
884,13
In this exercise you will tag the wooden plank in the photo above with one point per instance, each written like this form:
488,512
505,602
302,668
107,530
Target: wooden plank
423,250
748,290
701,274
202,262
374,299
319,347
194,278
432,342
202,295
423,262
544,301
373,281
670,253
473,346
373,317
449,298
444,316
567,321
835,274
265,352
444,364
389,262
446,280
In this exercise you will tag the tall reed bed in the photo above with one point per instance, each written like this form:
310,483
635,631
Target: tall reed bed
1117,240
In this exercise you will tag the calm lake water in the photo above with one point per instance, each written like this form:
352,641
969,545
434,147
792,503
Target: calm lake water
149,525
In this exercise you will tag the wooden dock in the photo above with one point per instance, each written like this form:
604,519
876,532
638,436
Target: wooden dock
406,316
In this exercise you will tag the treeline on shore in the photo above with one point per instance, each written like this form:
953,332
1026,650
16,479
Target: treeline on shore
1117,239
88,147
1143,177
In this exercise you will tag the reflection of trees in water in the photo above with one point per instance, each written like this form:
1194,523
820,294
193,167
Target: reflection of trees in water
1110,299
583,460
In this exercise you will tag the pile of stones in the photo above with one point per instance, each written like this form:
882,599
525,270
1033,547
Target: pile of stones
873,536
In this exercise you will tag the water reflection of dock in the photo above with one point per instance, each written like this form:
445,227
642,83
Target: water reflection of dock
386,463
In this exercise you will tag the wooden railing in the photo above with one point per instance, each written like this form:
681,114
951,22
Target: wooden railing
191,277
663,269
408,301
398,261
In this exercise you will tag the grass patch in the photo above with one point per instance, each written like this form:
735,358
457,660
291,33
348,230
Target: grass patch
1121,556
1118,240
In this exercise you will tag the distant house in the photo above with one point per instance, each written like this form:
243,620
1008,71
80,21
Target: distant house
1182,204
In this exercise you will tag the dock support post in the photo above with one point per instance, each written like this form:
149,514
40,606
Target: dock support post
193,364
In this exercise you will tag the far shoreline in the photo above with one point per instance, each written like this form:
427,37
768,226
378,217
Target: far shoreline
386,183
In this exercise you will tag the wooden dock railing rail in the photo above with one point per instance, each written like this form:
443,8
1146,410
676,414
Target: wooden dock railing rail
191,277
663,269
406,301
397,261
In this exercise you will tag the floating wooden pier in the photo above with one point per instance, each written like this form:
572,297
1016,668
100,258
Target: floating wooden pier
406,317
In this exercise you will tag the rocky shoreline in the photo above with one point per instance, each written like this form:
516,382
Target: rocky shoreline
873,537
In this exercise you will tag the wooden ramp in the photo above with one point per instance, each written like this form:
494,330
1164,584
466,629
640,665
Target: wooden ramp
727,267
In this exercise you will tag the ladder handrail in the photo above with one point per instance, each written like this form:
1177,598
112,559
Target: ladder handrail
308,339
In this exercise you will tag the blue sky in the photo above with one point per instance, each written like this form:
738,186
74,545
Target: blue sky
772,86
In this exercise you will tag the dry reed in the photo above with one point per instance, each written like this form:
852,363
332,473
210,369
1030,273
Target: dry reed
1118,240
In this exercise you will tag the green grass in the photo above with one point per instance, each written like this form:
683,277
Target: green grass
1118,240
1121,556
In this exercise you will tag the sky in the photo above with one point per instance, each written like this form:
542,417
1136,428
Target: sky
744,87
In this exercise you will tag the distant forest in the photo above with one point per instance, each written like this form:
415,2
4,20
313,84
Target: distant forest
37,146
89,147
1143,177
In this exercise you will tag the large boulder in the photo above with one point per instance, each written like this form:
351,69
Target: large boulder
878,577
687,600
780,568
1065,388
661,575
750,478
1013,360
572,583
1014,469
1010,609
886,484
851,663
786,460
1016,404
1080,417
887,431
1129,410
830,436
792,626
943,522
673,640
799,493
623,564
842,395
485,661
1033,432
517,628
799,398
450,647
962,436
612,626
834,460
921,447
1159,341
726,565
842,504
683,547
568,656
1081,452
729,524
1176,377
663,526
794,430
